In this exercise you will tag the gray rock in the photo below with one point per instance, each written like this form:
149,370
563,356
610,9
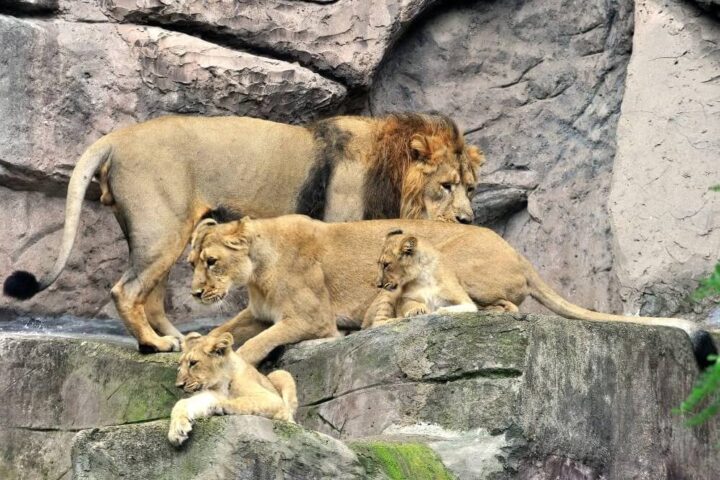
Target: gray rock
229,447
70,83
399,375
554,397
665,220
538,86
52,387
346,40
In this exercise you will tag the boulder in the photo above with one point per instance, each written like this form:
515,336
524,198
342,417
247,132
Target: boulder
546,394
665,219
237,446
54,386
344,40
538,85
69,83
30,6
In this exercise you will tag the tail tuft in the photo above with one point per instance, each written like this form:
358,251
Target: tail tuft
703,346
21,285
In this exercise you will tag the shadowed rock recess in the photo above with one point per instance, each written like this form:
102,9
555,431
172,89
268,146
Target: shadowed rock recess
465,396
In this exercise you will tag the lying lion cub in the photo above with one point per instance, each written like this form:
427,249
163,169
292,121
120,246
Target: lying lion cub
305,277
226,385
413,281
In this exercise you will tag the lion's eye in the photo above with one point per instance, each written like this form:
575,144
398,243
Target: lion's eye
470,190
192,363
447,186
211,261
385,265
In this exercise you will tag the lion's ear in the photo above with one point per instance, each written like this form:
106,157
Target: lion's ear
223,343
235,243
477,158
200,229
189,339
408,246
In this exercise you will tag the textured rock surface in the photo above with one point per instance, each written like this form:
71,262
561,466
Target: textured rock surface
52,387
666,222
538,84
494,397
548,395
345,39
29,6
222,448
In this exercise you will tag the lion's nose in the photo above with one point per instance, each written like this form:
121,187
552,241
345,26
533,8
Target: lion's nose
379,284
180,384
466,219
197,293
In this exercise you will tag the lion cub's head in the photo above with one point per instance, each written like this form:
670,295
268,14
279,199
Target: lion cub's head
219,256
404,259
204,362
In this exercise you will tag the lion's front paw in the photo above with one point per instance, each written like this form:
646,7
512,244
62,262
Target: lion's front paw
179,429
413,312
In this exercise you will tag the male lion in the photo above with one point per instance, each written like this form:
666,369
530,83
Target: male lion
413,280
226,385
305,277
163,175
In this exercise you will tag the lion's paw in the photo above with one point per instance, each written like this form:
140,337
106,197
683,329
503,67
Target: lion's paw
179,429
413,312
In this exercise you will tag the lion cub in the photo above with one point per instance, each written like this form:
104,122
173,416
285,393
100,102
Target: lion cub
227,384
414,281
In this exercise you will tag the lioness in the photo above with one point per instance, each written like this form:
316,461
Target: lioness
226,385
413,280
162,176
305,277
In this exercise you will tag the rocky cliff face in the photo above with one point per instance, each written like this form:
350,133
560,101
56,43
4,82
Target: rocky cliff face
435,397
600,121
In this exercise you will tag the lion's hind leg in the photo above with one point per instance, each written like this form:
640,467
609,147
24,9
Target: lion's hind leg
285,385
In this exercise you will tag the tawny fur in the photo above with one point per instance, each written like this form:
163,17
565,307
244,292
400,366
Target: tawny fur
305,277
414,281
223,383
162,176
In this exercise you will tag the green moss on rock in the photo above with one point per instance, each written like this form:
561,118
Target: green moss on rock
401,461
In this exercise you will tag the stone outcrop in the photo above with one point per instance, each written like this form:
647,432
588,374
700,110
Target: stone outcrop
529,395
53,387
665,219
346,40
222,448
465,396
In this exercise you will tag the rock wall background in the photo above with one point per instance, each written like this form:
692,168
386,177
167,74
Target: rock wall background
600,121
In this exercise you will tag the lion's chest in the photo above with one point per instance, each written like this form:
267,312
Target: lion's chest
262,309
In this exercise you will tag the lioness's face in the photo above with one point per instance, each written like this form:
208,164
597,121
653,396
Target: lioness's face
397,264
203,362
220,260
447,175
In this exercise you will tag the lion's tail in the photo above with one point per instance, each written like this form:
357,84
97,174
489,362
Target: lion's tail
23,285
702,341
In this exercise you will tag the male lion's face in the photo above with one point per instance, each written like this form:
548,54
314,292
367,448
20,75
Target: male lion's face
204,361
446,176
398,263
220,259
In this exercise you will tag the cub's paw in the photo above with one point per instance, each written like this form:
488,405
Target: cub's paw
179,429
414,312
